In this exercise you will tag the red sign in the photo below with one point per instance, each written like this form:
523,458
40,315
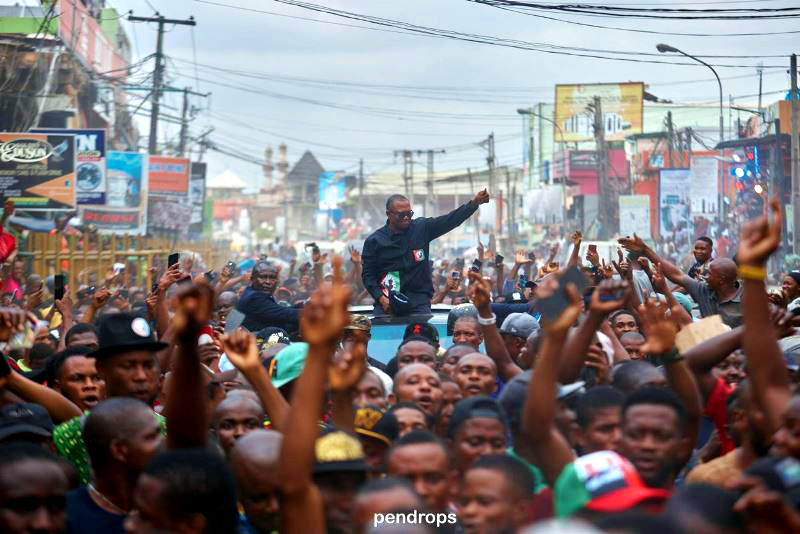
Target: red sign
169,177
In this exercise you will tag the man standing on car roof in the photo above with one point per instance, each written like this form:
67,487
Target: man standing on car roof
396,260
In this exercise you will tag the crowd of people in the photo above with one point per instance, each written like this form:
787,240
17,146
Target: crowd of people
625,396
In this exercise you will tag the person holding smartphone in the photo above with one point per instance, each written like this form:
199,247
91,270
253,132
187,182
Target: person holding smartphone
395,257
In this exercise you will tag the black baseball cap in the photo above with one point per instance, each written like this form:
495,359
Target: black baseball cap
25,418
422,329
472,407
122,332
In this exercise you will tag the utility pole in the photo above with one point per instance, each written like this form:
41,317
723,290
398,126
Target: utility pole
184,122
158,73
795,160
472,192
671,134
607,198
430,196
491,161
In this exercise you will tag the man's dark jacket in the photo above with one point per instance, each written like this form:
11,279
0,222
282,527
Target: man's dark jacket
407,253
261,311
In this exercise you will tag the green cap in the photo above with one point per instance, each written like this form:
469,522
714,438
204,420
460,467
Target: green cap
288,364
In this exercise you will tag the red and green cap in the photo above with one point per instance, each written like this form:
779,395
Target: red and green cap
603,482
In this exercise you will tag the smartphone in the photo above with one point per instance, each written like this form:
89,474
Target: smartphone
5,369
593,248
498,259
476,266
455,275
90,290
523,280
554,305
58,287
531,256
173,259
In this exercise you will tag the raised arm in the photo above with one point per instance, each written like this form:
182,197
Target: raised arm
610,295
321,325
766,368
438,226
550,448
702,358
187,420
637,246
59,408
242,351
479,292
575,256
660,330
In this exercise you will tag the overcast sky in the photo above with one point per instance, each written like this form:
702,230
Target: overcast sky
502,79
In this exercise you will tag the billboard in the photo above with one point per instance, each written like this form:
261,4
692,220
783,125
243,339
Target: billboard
197,195
169,177
622,105
331,190
704,187
634,215
674,200
125,210
90,163
37,171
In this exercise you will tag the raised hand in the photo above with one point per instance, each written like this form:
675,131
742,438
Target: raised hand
355,255
520,258
609,295
624,269
565,321
659,328
481,198
606,270
479,291
760,238
64,306
597,359
593,257
100,298
658,280
452,284
325,315
241,349
12,320
193,310
633,244
347,367
170,276
576,238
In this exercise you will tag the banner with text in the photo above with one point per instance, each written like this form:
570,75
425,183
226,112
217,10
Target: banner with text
168,203
37,171
90,162
126,195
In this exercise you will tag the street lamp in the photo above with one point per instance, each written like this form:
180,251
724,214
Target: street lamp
664,48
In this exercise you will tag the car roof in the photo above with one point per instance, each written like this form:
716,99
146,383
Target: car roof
438,315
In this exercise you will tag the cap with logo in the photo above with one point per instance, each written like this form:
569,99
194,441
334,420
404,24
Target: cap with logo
372,423
602,481
520,325
359,322
24,418
123,332
422,329
337,451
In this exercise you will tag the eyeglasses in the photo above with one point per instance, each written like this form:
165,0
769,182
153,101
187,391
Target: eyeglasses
403,214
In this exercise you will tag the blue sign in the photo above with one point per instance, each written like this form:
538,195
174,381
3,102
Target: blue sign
90,163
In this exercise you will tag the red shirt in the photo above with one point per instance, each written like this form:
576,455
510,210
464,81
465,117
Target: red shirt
717,410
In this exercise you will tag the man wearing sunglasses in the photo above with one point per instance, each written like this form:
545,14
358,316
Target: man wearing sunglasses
395,257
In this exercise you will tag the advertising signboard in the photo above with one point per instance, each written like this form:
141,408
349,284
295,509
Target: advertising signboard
37,171
622,105
634,215
90,163
169,177
705,178
197,195
126,197
674,201
331,191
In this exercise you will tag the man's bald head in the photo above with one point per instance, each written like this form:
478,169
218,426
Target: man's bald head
632,375
259,450
227,299
237,400
726,266
115,419
414,369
